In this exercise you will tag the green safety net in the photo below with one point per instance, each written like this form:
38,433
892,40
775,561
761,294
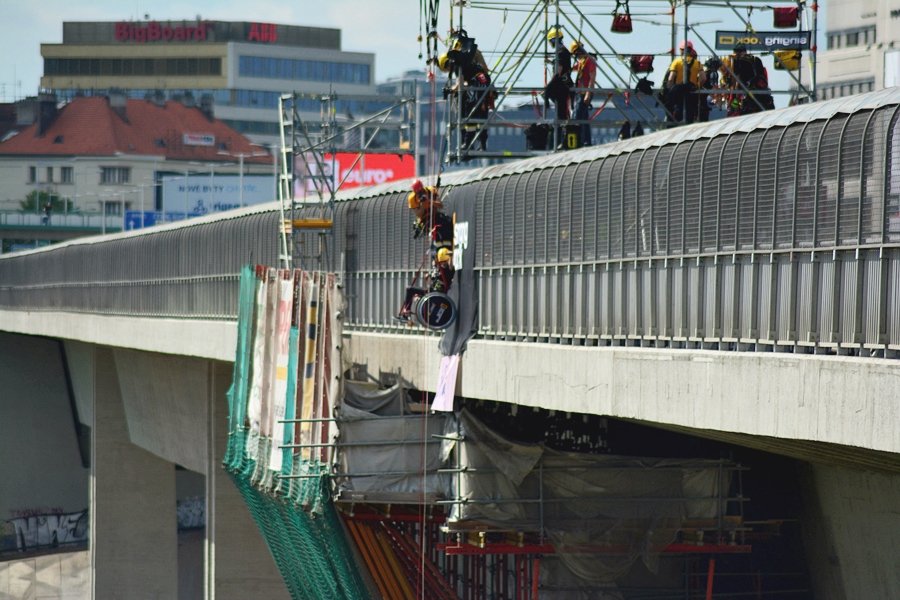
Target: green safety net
294,513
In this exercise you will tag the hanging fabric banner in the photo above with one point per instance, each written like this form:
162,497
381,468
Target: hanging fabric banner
446,389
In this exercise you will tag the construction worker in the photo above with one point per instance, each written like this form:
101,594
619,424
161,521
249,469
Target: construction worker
559,89
430,220
466,61
711,82
746,75
585,77
685,77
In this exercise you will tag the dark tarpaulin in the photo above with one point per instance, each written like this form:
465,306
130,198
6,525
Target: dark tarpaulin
464,291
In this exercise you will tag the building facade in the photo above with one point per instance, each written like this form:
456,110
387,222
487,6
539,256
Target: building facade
240,68
862,48
108,156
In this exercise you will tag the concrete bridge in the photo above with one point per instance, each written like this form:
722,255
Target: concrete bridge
653,282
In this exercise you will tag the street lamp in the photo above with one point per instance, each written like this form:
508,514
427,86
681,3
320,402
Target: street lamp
241,156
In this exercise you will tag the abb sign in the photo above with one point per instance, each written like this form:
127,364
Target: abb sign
156,32
263,32
371,169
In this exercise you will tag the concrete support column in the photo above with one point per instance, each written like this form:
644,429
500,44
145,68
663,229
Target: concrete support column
134,543
851,526
239,563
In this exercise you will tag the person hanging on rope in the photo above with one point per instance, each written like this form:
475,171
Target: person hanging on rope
430,220
585,76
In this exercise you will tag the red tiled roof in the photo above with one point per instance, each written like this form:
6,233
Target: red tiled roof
89,126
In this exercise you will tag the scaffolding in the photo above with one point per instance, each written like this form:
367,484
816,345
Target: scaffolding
494,500
440,502
616,89
308,176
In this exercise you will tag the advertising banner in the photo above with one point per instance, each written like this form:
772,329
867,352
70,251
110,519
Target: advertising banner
371,169
185,197
763,41
203,193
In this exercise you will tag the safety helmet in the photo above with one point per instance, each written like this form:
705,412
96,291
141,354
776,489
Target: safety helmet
444,62
574,47
688,44
443,255
555,32
412,199
417,186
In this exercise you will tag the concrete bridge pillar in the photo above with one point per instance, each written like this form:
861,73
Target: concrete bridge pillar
239,564
134,543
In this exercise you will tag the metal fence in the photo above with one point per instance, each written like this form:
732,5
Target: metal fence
189,270
779,229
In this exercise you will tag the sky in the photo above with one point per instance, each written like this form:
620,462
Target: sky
388,28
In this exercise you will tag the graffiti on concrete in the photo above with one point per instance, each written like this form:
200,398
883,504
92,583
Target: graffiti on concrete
37,511
191,512
49,530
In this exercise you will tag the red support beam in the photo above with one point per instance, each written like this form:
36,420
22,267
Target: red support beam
498,548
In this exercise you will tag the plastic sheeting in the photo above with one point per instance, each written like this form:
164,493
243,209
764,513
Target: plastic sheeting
601,512
382,449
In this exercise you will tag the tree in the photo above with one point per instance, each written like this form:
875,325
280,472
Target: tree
35,201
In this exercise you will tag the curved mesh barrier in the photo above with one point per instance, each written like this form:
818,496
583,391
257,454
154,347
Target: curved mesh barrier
286,326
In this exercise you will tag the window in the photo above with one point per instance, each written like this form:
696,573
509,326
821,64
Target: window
115,175
114,207
853,39
314,70
32,174
66,175
869,35
133,66
49,174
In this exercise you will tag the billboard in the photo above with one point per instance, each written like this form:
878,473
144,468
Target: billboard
763,41
184,197
371,169
199,194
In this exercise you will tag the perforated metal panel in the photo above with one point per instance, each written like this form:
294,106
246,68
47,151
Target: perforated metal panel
630,224
693,189
767,173
616,197
850,179
661,200
786,186
645,203
827,181
583,212
675,200
711,206
748,159
873,183
604,184
806,176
